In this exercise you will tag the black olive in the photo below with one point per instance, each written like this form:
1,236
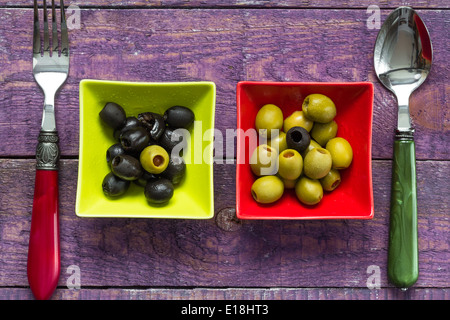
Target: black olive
298,138
114,186
158,191
154,123
171,138
114,150
135,139
126,167
176,169
130,122
113,115
145,178
179,117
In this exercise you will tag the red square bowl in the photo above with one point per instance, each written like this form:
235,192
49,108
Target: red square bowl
353,198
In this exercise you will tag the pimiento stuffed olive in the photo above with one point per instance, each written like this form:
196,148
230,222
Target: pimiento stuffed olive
278,142
298,138
126,167
267,189
317,163
264,161
154,159
135,139
341,152
159,191
178,117
322,132
114,186
289,184
290,164
319,108
331,181
297,119
113,115
309,191
154,123
269,121
312,145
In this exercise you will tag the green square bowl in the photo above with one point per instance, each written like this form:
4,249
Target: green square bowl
194,197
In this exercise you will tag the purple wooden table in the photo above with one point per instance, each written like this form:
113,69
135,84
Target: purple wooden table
222,258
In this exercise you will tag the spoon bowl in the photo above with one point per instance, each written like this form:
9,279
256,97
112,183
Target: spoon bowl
402,57
402,61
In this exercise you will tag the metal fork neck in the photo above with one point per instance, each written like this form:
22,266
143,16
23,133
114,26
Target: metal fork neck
48,118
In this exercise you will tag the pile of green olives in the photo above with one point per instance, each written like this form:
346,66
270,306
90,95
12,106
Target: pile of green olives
142,153
301,152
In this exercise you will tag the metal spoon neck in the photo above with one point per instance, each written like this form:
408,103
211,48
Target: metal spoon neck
403,117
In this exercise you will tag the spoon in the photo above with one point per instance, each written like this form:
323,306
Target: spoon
402,60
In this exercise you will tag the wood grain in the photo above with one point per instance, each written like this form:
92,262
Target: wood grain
186,253
244,3
233,294
223,46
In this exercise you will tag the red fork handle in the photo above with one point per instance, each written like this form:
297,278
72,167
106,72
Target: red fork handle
43,267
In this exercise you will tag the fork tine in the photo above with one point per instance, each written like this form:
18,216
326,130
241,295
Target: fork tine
64,32
46,35
36,32
54,30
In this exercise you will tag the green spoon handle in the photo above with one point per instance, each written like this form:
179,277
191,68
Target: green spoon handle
403,265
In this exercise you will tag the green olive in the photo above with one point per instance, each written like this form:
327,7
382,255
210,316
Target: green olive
264,160
154,159
289,184
267,189
322,132
297,119
317,163
331,181
308,191
319,108
268,118
311,146
278,142
290,164
341,152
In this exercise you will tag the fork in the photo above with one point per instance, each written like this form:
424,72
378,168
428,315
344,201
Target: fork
50,70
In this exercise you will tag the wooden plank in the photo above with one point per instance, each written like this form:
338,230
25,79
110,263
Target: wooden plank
233,294
245,3
190,253
224,46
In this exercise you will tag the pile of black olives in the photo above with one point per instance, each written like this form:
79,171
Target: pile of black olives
302,152
143,151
